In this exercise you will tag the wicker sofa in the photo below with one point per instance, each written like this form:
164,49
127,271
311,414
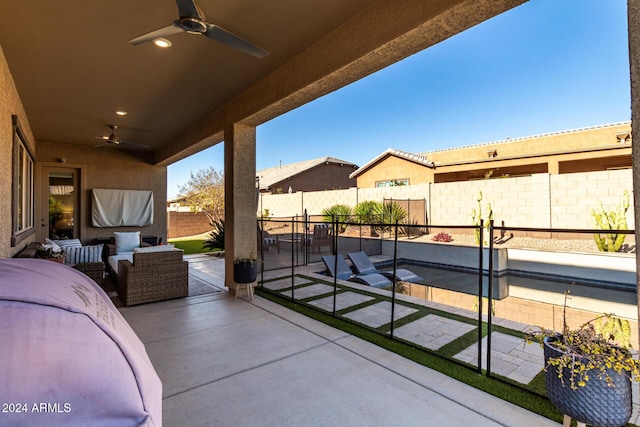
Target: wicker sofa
95,270
150,276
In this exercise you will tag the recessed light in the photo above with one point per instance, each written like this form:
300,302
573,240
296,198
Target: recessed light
121,112
164,43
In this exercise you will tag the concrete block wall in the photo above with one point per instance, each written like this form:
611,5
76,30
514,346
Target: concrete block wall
535,201
181,224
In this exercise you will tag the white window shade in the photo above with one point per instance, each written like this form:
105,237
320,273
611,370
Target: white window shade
117,208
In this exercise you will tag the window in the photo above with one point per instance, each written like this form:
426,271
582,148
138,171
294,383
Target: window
392,183
22,199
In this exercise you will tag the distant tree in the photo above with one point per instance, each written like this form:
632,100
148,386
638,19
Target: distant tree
205,192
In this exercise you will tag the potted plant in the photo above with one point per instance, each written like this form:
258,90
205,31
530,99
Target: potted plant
47,252
245,269
588,370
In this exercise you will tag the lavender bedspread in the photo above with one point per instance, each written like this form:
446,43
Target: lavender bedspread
67,356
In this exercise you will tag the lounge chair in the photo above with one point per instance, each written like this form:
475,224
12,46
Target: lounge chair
344,273
363,265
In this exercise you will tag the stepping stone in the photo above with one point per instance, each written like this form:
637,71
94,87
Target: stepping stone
286,283
343,300
309,291
511,357
432,331
379,314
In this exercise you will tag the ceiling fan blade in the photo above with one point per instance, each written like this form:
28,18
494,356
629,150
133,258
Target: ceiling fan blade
133,144
189,9
160,32
219,34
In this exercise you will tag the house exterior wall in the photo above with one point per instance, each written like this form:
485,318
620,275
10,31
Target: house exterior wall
113,168
583,150
10,104
322,177
393,167
574,140
538,201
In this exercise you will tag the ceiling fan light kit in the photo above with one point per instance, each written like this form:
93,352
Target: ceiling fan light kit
191,20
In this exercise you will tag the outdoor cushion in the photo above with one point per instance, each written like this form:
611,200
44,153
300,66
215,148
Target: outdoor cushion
67,243
363,265
113,260
78,255
159,248
344,273
126,241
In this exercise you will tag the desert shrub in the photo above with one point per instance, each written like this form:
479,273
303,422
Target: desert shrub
215,238
442,237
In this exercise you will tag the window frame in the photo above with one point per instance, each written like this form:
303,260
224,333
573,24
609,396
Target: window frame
22,186
392,183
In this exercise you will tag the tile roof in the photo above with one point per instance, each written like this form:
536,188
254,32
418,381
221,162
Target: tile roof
524,138
416,158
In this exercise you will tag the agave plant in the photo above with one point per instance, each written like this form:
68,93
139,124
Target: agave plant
215,238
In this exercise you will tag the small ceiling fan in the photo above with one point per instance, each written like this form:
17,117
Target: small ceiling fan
113,139
192,20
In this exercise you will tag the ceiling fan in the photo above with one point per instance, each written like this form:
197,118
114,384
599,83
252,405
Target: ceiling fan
113,139
192,20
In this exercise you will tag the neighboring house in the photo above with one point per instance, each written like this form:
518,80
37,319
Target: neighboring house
596,148
324,173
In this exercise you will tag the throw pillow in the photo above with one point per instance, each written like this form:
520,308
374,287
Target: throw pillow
160,248
68,243
82,254
126,241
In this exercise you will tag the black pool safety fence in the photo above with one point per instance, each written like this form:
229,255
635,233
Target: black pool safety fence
462,293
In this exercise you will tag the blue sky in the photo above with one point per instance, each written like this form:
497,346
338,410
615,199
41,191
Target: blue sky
546,66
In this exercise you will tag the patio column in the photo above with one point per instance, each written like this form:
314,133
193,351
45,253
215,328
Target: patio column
240,195
633,16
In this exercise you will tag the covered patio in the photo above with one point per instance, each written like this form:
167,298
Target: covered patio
240,362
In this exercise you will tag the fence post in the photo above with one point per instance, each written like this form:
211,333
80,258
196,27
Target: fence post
490,299
393,282
480,267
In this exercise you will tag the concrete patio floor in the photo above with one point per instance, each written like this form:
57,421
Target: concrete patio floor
255,363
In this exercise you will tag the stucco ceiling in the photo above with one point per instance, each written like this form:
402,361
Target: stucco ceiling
73,65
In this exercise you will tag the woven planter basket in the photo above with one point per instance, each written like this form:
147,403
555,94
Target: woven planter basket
245,271
596,403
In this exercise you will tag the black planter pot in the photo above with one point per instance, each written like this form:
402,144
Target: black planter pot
596,403
245,271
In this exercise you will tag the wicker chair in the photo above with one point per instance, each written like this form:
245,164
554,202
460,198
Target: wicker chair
95,270
152,276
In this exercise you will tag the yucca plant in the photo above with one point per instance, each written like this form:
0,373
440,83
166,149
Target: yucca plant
367,212
391,213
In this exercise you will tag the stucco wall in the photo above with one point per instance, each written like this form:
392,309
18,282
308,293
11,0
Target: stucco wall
10,104
537,201
112,168
319,178
393,167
